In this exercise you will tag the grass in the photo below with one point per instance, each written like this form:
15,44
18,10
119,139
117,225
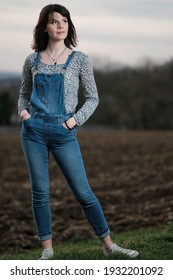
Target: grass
152,244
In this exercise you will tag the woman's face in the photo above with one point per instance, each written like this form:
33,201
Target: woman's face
57,27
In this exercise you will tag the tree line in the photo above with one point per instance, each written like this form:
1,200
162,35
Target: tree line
136,98
130,98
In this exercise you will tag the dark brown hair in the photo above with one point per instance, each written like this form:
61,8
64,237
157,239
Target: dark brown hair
40,37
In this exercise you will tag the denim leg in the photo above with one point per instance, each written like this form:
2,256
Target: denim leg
36,154
69,158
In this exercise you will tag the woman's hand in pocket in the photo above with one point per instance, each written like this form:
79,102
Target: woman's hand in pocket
70,123
25,115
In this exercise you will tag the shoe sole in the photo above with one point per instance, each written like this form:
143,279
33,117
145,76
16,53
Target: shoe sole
134,255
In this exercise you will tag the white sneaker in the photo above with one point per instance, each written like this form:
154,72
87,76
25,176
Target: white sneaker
115,249
47,254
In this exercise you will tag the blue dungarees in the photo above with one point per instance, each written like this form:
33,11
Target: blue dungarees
43,133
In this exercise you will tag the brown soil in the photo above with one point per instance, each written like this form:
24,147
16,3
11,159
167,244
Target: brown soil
130,172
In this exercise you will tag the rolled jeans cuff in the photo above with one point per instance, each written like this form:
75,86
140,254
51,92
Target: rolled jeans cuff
104,234
45,237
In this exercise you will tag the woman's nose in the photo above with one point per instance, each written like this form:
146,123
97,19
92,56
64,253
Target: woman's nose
60,25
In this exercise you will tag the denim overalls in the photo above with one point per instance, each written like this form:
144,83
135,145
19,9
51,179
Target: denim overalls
43,133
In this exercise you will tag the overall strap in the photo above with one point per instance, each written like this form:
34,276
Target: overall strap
69,59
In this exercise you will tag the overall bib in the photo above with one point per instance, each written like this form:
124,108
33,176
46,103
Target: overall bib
43,133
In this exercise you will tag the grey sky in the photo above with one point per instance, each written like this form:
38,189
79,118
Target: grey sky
125,31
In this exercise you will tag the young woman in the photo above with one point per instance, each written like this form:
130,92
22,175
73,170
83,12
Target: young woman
47,107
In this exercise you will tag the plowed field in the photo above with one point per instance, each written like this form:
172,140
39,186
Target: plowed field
131,172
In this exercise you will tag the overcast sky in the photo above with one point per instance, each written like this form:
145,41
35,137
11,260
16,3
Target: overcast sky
124,31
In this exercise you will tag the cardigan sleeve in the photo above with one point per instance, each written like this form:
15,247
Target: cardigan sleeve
26,86
90,92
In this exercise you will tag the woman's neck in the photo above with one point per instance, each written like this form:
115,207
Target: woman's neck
55,48
55,53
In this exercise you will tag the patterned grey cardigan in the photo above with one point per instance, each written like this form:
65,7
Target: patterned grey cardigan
79,69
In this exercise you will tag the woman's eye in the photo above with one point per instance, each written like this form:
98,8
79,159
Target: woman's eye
53,22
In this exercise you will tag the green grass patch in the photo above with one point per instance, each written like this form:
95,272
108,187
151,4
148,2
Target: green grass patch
152,244
167,154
